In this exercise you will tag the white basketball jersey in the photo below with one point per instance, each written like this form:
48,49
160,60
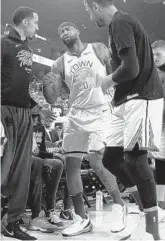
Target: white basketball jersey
80,77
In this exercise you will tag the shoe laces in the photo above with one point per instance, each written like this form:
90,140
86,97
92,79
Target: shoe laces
53,217
117,211
68,211
45,221
76,221
76,217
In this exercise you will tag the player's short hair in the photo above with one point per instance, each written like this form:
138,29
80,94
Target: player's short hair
66,24
158,44
22,13
100,2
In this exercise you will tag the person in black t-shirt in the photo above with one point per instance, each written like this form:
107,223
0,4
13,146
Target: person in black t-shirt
137,106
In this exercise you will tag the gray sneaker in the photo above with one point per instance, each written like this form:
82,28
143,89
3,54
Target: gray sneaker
41,224
54,219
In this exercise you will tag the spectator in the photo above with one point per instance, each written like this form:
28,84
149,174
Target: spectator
60,119
159,57
46,167
53,144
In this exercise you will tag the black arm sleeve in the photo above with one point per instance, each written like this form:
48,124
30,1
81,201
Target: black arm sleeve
129,68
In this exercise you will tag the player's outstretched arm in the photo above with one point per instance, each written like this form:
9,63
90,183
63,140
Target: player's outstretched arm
52,83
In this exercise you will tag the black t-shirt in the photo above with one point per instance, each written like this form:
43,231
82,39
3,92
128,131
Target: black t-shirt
127,32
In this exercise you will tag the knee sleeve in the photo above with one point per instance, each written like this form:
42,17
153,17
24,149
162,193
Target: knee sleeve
113,160
110,155
136,164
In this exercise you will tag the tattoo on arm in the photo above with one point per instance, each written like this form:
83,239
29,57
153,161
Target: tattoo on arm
102,53
56,69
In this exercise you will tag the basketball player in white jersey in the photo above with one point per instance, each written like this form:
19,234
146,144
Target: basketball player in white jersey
88,119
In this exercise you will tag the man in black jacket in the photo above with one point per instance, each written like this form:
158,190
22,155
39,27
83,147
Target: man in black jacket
16,75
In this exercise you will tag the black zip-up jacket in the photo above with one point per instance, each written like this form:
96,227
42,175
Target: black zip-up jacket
16,69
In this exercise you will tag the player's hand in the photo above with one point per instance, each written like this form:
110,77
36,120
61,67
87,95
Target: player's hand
58,143
49,78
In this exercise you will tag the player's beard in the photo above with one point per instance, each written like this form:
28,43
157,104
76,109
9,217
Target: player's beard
70,42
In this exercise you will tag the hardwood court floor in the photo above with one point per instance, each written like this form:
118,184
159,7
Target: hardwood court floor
102,221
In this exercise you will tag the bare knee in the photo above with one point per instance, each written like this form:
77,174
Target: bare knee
95,160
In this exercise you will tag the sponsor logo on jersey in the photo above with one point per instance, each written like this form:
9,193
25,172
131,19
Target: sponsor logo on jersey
70,61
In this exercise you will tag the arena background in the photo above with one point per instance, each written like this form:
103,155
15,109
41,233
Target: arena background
53,12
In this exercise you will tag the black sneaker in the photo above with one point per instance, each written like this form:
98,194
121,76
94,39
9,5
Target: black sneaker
13,230
66,214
